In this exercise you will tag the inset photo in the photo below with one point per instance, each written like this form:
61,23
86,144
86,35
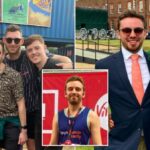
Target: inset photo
74,107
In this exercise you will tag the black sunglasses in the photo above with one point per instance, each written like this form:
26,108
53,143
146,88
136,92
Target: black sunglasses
16,40
137,30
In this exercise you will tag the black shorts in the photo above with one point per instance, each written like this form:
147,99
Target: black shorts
31,125
11,136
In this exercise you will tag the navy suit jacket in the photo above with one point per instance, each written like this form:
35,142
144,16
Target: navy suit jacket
130,118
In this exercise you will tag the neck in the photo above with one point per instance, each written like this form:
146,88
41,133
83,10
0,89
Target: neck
73,110
41,64
2,66
14,56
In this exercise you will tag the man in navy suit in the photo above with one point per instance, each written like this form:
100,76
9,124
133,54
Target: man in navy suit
131,119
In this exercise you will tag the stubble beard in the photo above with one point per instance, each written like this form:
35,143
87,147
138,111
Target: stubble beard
74,101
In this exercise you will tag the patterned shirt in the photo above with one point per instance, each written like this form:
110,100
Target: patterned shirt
11,91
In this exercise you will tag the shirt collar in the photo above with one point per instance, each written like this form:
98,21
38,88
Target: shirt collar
127,54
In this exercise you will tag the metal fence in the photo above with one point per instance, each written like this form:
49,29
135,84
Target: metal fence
67,51
90,48
94,33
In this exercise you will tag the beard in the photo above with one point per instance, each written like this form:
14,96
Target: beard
74,99
133,48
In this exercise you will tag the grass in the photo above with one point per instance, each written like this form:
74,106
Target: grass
115,43
79,148
84,148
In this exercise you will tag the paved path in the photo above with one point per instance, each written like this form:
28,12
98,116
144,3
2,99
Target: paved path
91,54
84,66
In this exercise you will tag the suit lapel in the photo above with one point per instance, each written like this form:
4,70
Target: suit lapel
121,70
147,93
147,60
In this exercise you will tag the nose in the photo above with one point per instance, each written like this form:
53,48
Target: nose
74,90
13,42
132,34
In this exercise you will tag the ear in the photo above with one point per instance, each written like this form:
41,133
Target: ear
65,94
118,34
22,41
4,40
45,47
83,96
145,34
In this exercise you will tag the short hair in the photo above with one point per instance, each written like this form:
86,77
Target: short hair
32,38
13,28
2,44
131,14
75,78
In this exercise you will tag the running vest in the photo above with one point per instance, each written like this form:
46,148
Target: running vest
80,132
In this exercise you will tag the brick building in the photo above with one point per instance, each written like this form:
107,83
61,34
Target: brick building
115,7
90,3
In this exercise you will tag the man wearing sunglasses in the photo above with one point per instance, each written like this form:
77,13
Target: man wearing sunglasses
17,59
129,102
13,131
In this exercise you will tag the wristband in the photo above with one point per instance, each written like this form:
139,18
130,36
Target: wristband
23,127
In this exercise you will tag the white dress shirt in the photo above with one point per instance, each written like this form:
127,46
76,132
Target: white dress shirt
143,66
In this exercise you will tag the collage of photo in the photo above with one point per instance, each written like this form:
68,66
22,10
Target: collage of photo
74,75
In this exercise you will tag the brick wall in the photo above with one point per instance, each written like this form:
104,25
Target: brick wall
108,4
90,3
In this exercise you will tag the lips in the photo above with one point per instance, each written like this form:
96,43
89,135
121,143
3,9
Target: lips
133,42
13,48
74,97
35,58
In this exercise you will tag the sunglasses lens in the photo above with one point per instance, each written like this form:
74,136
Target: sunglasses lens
129,30
16,40
9,40
138,30
126,30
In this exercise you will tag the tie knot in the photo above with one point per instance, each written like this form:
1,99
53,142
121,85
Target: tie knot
134,56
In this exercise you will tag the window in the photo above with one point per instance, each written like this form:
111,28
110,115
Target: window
119,8
111,8
141,6
129,5
134,4
112,25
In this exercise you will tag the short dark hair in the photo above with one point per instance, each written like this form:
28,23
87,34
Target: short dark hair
131,14
75,78
32,38
2,44
13,28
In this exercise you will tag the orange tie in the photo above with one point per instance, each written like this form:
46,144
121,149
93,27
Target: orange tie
137,83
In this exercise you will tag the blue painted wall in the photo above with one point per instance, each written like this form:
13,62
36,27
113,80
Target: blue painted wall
62,24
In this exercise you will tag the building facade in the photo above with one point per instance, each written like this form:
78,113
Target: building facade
116,7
